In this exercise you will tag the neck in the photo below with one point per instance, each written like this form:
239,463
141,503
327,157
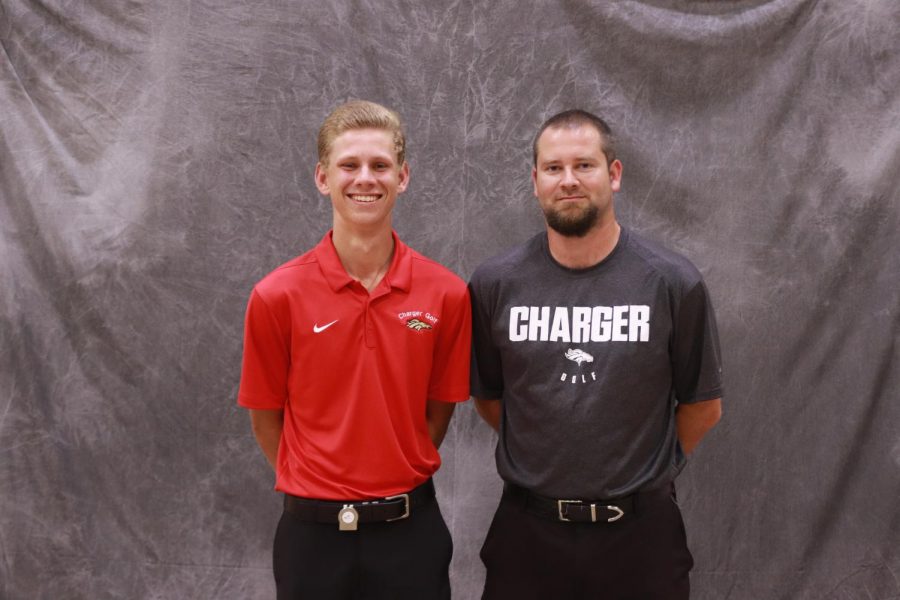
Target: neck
366,258
587,251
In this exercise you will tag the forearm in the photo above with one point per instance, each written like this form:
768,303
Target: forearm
694,421
489,411
267,426
437,416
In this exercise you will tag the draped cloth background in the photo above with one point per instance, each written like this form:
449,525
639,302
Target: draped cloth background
156,160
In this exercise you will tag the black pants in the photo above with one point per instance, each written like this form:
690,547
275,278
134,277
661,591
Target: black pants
643,557
400,560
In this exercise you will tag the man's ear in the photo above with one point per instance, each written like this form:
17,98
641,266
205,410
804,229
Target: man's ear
615,175
322,180
403,179
534,179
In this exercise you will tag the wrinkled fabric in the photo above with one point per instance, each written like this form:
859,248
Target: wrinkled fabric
156,160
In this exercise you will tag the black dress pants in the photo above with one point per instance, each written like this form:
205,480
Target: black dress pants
399,560
643,557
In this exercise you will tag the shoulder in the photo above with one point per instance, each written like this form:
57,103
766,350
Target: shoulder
513,261
434,274
674,268
288,276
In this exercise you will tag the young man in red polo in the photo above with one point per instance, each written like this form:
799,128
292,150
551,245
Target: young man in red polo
354,355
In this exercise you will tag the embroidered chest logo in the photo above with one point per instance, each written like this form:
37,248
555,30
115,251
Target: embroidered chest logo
319,329
417,324
418,320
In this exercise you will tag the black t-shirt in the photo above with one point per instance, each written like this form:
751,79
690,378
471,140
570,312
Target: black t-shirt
590,364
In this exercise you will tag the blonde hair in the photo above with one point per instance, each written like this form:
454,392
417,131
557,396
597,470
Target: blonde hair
360,114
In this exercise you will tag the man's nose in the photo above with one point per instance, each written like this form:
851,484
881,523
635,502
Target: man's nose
366,175
568,178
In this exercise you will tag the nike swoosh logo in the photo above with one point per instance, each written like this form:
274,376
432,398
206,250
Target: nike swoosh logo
317,329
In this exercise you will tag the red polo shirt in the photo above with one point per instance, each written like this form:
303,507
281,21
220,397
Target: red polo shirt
353,369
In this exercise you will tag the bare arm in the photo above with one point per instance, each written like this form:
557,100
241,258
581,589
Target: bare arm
489,410
437,415
267,425
693,421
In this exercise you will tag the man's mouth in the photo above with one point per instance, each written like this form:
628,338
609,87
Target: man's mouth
364,198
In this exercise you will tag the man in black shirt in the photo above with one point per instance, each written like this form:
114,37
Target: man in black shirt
596,358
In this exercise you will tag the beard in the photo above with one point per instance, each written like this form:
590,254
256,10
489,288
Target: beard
572,223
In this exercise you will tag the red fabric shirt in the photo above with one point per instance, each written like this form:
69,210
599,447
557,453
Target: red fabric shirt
352,369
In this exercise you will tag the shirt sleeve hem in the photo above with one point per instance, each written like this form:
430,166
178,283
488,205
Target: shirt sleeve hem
450,398
259,403
486,394
703,397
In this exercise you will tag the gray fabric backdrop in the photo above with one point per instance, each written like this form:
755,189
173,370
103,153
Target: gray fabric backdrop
156,159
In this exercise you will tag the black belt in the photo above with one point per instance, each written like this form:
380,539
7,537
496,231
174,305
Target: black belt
347,513
579,511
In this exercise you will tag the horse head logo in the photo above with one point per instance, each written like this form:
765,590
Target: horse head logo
417,324
579,356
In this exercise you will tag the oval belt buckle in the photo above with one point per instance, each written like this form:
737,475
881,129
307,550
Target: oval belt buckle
348,518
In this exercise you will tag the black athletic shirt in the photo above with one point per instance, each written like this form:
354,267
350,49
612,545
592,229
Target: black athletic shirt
590,364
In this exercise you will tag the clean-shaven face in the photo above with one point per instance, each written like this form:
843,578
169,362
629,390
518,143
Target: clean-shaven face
572,180
362,177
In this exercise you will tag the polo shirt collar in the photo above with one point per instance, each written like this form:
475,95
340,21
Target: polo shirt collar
399,274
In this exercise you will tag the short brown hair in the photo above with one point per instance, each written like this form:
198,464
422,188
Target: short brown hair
576,118
360,114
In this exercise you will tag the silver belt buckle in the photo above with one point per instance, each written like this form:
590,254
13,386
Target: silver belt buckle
618,512
406,507
561,503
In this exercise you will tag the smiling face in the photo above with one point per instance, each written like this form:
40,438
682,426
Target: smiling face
572,180
363,177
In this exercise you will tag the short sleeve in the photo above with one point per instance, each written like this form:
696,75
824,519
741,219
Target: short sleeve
450,367
696,358
266,361
487,372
